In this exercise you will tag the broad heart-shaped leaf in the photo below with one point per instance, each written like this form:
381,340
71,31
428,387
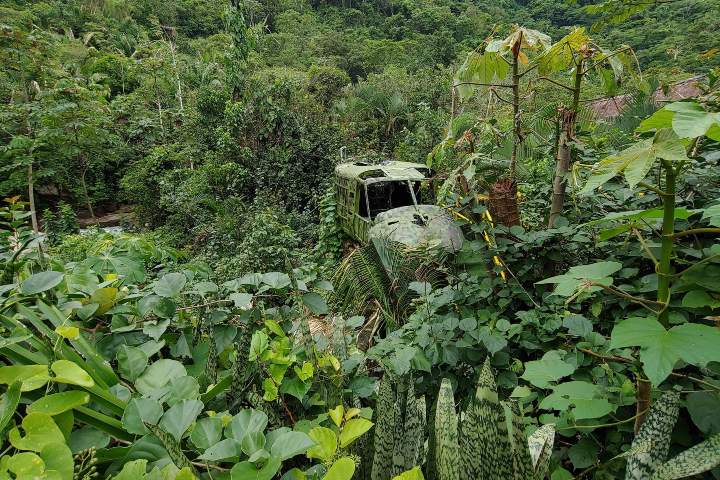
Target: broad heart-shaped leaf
687,119
41,282
222,450
353,429
88,437
325,444
248,420
158,375
180,416
207,432
549,369
140,411
290,444
57,403
582,396
132,362
252,442
560,55
258,344
31,376
58,458
171,285
576,276
248,471
691,120
315,303
276,280
637,160
182,388
661,349
341,469
26,465
40,430
700,298
69,372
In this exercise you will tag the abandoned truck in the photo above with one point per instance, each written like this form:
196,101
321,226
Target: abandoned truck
393,200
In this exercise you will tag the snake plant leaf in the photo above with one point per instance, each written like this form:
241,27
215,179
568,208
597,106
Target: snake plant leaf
656,428
693,461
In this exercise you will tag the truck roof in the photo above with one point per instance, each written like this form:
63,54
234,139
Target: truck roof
390,170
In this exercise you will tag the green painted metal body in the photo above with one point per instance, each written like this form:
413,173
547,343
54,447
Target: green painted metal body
385,200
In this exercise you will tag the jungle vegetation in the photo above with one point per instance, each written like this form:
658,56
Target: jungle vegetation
231,331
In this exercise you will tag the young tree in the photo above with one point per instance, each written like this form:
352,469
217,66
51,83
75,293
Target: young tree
501,65
578,54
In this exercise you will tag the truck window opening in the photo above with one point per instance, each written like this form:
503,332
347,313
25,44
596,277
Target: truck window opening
384,196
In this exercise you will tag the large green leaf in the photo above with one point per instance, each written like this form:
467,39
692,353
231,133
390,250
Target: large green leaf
222,450
207,432
585,399
548,369
69,372
171,285
248,471
57,403
637,160
180,416
560,56
40,430
315,303
353,429
687,119
58,458
31,376
479,68
41,282
341,469
691,120
248,420
290,444
325,444
140,411
158,375
580,275
132,362
661,349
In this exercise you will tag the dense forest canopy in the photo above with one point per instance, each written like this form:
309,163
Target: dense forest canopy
234,323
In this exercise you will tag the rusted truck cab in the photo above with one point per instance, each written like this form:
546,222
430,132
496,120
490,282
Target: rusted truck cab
392,200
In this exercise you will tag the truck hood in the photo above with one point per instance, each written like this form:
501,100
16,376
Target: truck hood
426,225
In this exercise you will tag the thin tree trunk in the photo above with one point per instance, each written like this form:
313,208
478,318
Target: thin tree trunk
177,75
516,107
666,246
642,401
31,196
87,197
562,165
562,159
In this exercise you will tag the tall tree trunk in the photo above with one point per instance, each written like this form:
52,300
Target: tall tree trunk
664,270
563,156
85,193
31,196
516,107
562,164
503,201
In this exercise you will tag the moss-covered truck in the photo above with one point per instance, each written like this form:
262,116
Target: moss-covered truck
392,200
